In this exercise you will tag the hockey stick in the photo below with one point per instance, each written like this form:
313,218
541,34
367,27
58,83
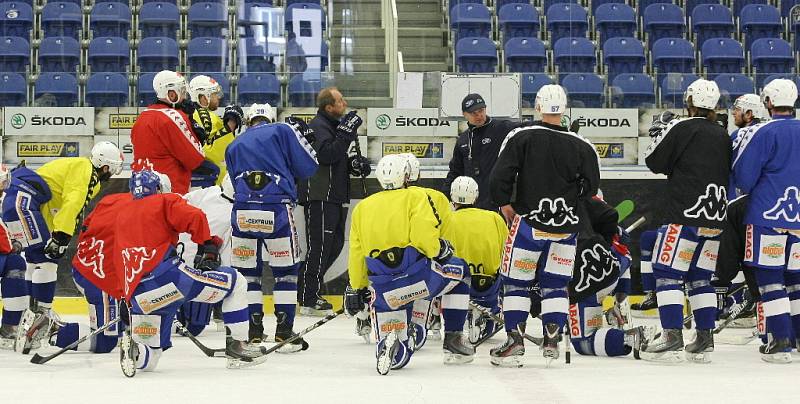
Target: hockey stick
734,312
307,330
363,177
210,352
636,224
687,322
501,322
39,359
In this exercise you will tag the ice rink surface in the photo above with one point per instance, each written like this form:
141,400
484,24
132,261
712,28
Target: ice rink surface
340,368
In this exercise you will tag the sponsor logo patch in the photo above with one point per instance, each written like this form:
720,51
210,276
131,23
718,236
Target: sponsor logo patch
255,221
399,297
670,241
158,298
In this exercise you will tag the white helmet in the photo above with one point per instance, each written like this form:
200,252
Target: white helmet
263,110
392,171
782,93
203,85
752,103
107,154
167,80
464,190
5,177
551,99
165,183
704,93
227,186
413,166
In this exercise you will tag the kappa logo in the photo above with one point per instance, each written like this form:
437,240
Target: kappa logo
787,207
598,263
554,212
712,205
133,259
90,255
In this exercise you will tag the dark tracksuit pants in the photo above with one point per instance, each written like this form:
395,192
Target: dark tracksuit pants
325,227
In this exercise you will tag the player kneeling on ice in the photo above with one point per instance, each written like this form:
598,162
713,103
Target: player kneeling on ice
478,236
694,153
396,251
12,279
156,281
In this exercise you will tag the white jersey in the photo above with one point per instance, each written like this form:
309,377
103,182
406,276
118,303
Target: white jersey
218,212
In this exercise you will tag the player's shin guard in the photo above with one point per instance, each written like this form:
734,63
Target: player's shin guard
554,299
285,291
670,300
392,348
647,244
455,305
255,298
516,305
418,321
43,280
776,308
14,290
703,301
603,342
235,309
793,290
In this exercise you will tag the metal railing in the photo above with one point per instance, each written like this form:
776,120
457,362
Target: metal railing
389,23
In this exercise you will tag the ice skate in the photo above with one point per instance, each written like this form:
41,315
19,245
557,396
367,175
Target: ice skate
776,351
128,353
240,354
476,323
666,349
615,318
284,332
511,353
700,350
635,338
387,350
36,325
455,350
552,336
256,332
648,302
8,336
320,308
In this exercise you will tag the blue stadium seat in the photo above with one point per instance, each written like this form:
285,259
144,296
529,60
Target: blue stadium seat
297,57
16,19
290,2
259,88
145,94
110,19
786,7
574,55
109,54
722,55
59,54
15,54
663,21
254,56
632,90
476,55
673,55
289,16
531,83
623,55
251,15
517,20
13,90
760,21
770,56
584,90
614,20
499,4
525,55
156,54
302,92
454,3
62,19
107,90
739,5
206,54
546,4
731,86
159,19
673,86
597,3
223,82
711,21
566,20
63,87
263,2
692,4
207,19
470,20
642,5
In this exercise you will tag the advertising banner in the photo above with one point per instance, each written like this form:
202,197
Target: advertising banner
409,122
77,121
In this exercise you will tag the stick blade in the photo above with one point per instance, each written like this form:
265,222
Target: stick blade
39,359
624,209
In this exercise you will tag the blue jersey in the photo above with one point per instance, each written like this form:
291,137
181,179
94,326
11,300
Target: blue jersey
277,150
767,168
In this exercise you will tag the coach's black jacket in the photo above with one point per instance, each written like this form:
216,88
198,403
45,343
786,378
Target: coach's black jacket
331,182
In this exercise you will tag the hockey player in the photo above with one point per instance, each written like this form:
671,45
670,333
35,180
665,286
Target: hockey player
552,169
479,237
263,163
41,209
396,251
155,282
164,136
694,153
12,278
766,167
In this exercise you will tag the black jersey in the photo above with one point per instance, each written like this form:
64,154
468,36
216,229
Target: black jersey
552,168
695,154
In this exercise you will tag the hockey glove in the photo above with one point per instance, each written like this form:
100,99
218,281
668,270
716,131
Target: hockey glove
205,175
16,247
624,237
446,251
235,113
207,258
661,122
348,126
359,166
57,245
353,301
302,127
199,131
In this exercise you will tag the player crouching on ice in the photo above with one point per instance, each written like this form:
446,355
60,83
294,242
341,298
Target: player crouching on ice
397,257
156,282
12,279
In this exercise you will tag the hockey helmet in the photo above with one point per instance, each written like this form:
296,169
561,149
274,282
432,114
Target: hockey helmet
551,99
704,93
782,93
392,171
107,154
227,186
413,166
203,85
752,103
144,183
167,80
262,110
464,190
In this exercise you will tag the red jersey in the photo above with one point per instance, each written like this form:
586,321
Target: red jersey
5,241
163,141
145,230
94,258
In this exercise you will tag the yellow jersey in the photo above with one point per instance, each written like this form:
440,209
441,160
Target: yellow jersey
440,202
219,137
73,184
478,237
388,219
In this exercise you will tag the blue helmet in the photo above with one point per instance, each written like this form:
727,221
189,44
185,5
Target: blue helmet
144,183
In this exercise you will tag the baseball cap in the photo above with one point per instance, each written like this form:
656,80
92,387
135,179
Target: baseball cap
472,102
